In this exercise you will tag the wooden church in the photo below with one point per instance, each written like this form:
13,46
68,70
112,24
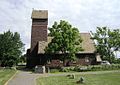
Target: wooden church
40,39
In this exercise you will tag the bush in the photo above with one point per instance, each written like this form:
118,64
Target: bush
76,69
54,70
67,69
105,67
87,68
82,68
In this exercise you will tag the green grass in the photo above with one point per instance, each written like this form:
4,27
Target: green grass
90,79
5,74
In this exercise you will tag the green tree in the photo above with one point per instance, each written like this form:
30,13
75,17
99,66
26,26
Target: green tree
115,39
65,40
107,42
11,48
22,59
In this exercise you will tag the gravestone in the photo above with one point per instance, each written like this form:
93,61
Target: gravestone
39,69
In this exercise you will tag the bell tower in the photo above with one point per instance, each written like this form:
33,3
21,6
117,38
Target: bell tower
39,27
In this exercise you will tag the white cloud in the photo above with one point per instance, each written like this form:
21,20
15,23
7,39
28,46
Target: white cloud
84,14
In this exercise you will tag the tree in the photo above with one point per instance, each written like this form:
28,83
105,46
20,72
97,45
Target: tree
65,40
11,48
22,59
115,39
107,42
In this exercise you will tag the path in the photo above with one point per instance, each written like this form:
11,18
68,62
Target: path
24,78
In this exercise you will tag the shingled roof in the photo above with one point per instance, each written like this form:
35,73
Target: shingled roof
39,14
87,44
42,45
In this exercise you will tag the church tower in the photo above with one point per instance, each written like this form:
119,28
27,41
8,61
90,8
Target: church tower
38,33
39,27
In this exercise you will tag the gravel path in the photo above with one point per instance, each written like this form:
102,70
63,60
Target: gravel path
24,78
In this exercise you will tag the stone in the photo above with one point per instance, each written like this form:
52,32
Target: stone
39,69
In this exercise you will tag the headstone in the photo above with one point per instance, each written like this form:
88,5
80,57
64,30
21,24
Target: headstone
82,80
39,69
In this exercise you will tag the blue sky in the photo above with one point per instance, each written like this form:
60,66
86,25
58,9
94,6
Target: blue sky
83,14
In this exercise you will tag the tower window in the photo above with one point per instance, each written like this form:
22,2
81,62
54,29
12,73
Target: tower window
39,20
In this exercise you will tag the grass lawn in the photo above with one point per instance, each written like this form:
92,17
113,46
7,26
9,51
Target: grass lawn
5,74
90,79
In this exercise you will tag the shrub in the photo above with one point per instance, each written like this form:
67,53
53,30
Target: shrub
82,68
105,67
87,68
67,69
54,70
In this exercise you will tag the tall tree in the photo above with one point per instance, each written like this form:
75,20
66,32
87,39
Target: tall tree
107,42
11,48
66,40
115,40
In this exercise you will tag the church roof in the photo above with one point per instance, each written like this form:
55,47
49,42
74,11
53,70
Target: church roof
87,44
39,14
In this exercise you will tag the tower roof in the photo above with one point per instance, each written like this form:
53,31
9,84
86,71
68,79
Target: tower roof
39,14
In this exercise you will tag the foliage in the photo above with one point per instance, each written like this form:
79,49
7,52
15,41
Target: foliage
66,40
11,48
54,70
90,68
107,42
67,69
115,39
117,61
82,68
22,59
105,67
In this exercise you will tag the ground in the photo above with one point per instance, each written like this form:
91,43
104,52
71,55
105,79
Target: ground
91,78
24,77
5,75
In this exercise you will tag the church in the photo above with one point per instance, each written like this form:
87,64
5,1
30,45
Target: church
40,39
